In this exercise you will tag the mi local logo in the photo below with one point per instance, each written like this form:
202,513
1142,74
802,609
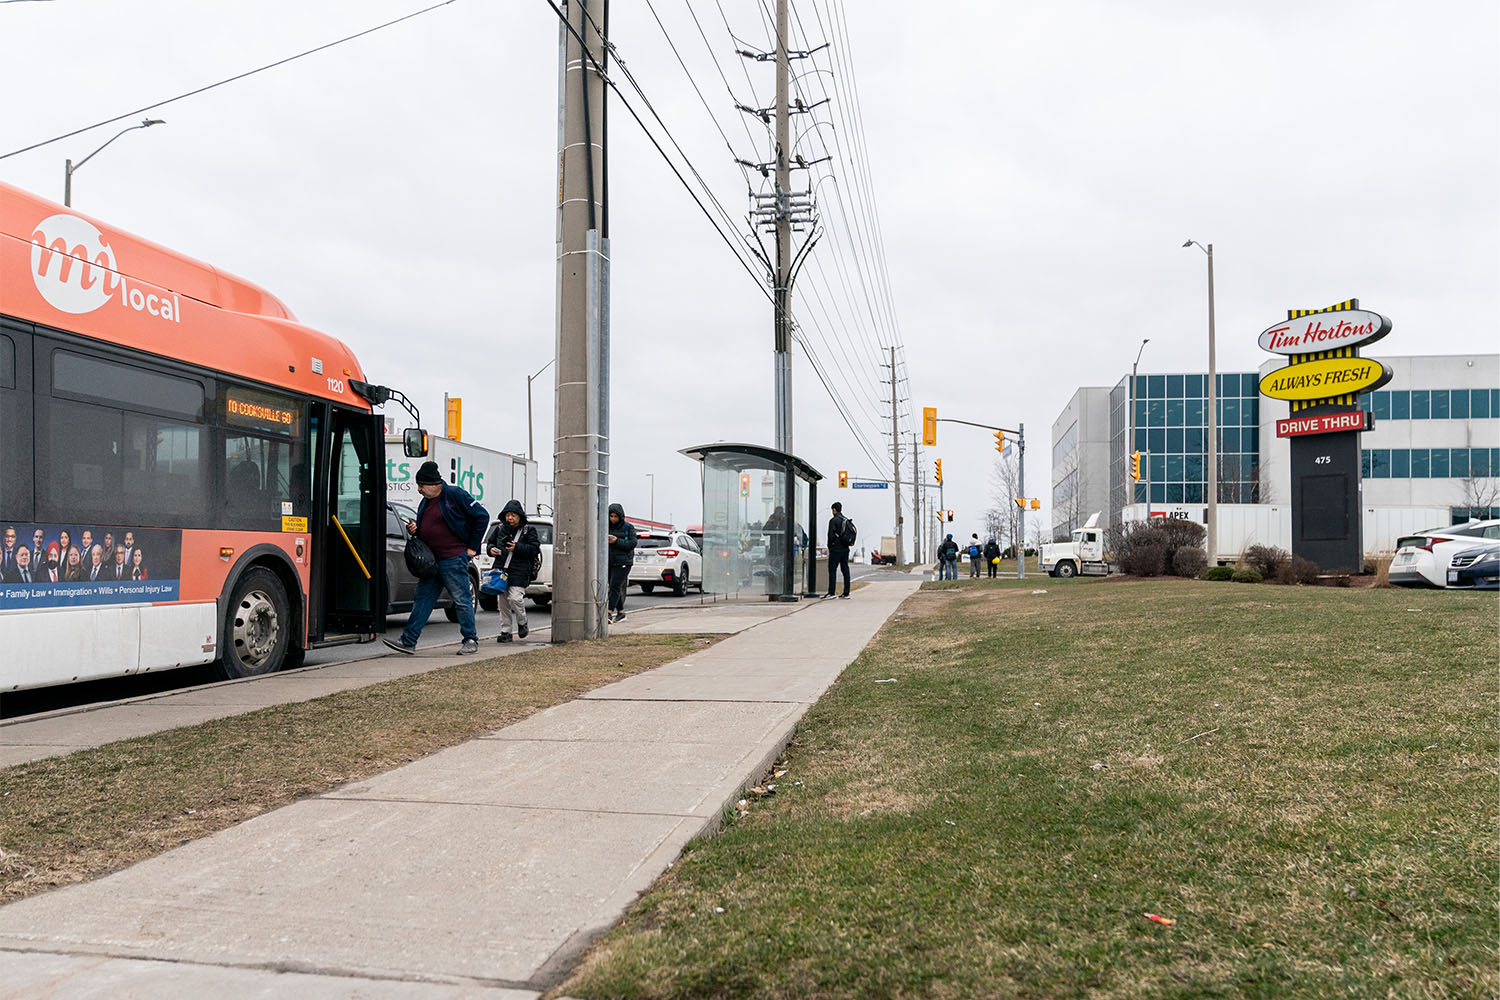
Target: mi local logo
75,271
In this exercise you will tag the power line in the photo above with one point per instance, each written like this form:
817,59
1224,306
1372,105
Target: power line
232,79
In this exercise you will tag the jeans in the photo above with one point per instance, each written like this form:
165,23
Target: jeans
619,579
453,576
948,569
837,560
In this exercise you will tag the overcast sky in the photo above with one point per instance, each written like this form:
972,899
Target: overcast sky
1035,169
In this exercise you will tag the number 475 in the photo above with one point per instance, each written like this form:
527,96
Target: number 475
1323,460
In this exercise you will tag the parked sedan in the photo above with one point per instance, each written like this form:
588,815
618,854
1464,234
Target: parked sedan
1476,569
1421,560
400,584
667,559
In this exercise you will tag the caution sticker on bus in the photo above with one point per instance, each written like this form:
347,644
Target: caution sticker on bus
297,525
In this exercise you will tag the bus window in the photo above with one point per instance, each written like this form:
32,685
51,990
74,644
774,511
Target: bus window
15,426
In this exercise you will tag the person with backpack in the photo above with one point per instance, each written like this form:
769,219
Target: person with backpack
452,524
975,550
948,559
621,556
517,551
841,537
992,557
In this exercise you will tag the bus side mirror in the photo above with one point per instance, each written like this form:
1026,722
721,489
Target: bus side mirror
414,439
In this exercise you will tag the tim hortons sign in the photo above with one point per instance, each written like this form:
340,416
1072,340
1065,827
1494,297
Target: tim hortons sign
1324,332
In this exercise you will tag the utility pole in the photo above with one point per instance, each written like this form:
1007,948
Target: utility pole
783,239
896,458
916,505
1021,465
580,446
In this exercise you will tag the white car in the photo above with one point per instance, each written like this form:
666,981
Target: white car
540,589
1422,559
667,559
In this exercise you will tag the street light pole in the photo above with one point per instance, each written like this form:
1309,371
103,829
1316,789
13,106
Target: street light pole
70,168
1211,527
652,476
530,444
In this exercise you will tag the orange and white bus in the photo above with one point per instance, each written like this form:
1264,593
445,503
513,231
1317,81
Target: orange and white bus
187,474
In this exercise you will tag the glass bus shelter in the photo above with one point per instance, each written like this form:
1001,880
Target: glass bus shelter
760,533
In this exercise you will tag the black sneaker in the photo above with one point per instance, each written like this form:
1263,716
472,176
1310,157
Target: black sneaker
400,647
522,631
503,637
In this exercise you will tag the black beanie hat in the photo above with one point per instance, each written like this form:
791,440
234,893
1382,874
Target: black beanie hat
428,475
838,506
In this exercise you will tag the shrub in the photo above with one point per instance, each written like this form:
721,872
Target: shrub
1150,548
1266,559
1219,573
1189,561
1246,576
1144,559
1297,570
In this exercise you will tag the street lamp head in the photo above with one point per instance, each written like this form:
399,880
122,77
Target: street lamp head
1188,243
148,122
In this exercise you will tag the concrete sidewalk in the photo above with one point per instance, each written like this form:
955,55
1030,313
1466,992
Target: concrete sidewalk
482,871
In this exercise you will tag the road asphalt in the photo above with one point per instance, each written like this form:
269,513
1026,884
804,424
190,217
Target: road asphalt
484,870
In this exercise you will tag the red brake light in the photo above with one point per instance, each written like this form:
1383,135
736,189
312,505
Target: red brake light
669,553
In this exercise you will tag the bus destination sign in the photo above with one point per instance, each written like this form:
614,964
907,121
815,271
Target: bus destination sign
262,411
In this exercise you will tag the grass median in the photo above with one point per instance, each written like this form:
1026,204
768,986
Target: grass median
1300,782
67,819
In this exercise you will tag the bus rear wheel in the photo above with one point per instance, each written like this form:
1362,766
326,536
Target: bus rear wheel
257,626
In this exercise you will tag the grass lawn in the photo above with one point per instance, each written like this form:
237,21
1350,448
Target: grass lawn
67,819
1302,779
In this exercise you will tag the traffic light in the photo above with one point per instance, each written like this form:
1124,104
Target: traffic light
843,479
929,425
1036,504
940,471
1135,466
1000,441
1021,502
455,421
744,484
950,515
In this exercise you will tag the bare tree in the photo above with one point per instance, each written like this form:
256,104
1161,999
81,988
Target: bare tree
1479,493
1005,487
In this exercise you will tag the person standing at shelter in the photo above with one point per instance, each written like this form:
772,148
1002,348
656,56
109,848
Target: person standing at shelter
621,556
452,524
948,559
992,557
515,550
840,537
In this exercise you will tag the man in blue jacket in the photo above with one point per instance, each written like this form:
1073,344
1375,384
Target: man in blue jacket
452,524
621,541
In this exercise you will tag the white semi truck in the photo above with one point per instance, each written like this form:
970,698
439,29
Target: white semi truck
491,477
1083,554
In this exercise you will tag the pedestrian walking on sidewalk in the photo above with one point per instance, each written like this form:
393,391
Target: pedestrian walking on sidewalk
452,524
621,556
975,550
516,550
841,535
992,557
948,559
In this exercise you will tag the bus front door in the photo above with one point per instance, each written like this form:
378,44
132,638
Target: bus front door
353,579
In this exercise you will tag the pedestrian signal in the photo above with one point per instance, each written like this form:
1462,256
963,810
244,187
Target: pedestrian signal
1135,466
744,484
843,479
929,425
1000,441
940,471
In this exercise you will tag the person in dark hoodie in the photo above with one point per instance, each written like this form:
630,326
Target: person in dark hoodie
452,524
621,555
991,557
515,550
